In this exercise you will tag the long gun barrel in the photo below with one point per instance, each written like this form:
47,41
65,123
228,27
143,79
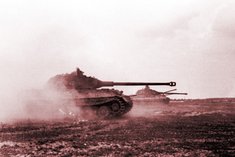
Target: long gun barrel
94,84
105,84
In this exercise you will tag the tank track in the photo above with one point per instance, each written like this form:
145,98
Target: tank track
108,107
122,107
117,107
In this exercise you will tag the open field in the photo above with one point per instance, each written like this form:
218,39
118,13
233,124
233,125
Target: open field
148,130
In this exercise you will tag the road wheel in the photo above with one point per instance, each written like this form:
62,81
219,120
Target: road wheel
115,107
103,112
166,101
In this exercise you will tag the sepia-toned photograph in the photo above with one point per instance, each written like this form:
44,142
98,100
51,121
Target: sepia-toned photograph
117,78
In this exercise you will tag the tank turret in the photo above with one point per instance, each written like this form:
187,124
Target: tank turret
149,95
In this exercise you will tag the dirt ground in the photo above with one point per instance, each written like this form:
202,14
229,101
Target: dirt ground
148,130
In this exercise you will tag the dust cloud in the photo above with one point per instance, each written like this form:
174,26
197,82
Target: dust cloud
48,103
147,109
188,108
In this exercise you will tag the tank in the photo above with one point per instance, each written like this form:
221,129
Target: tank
149,95
88,93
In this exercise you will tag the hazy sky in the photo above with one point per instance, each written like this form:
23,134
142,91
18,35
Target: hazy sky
191,42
